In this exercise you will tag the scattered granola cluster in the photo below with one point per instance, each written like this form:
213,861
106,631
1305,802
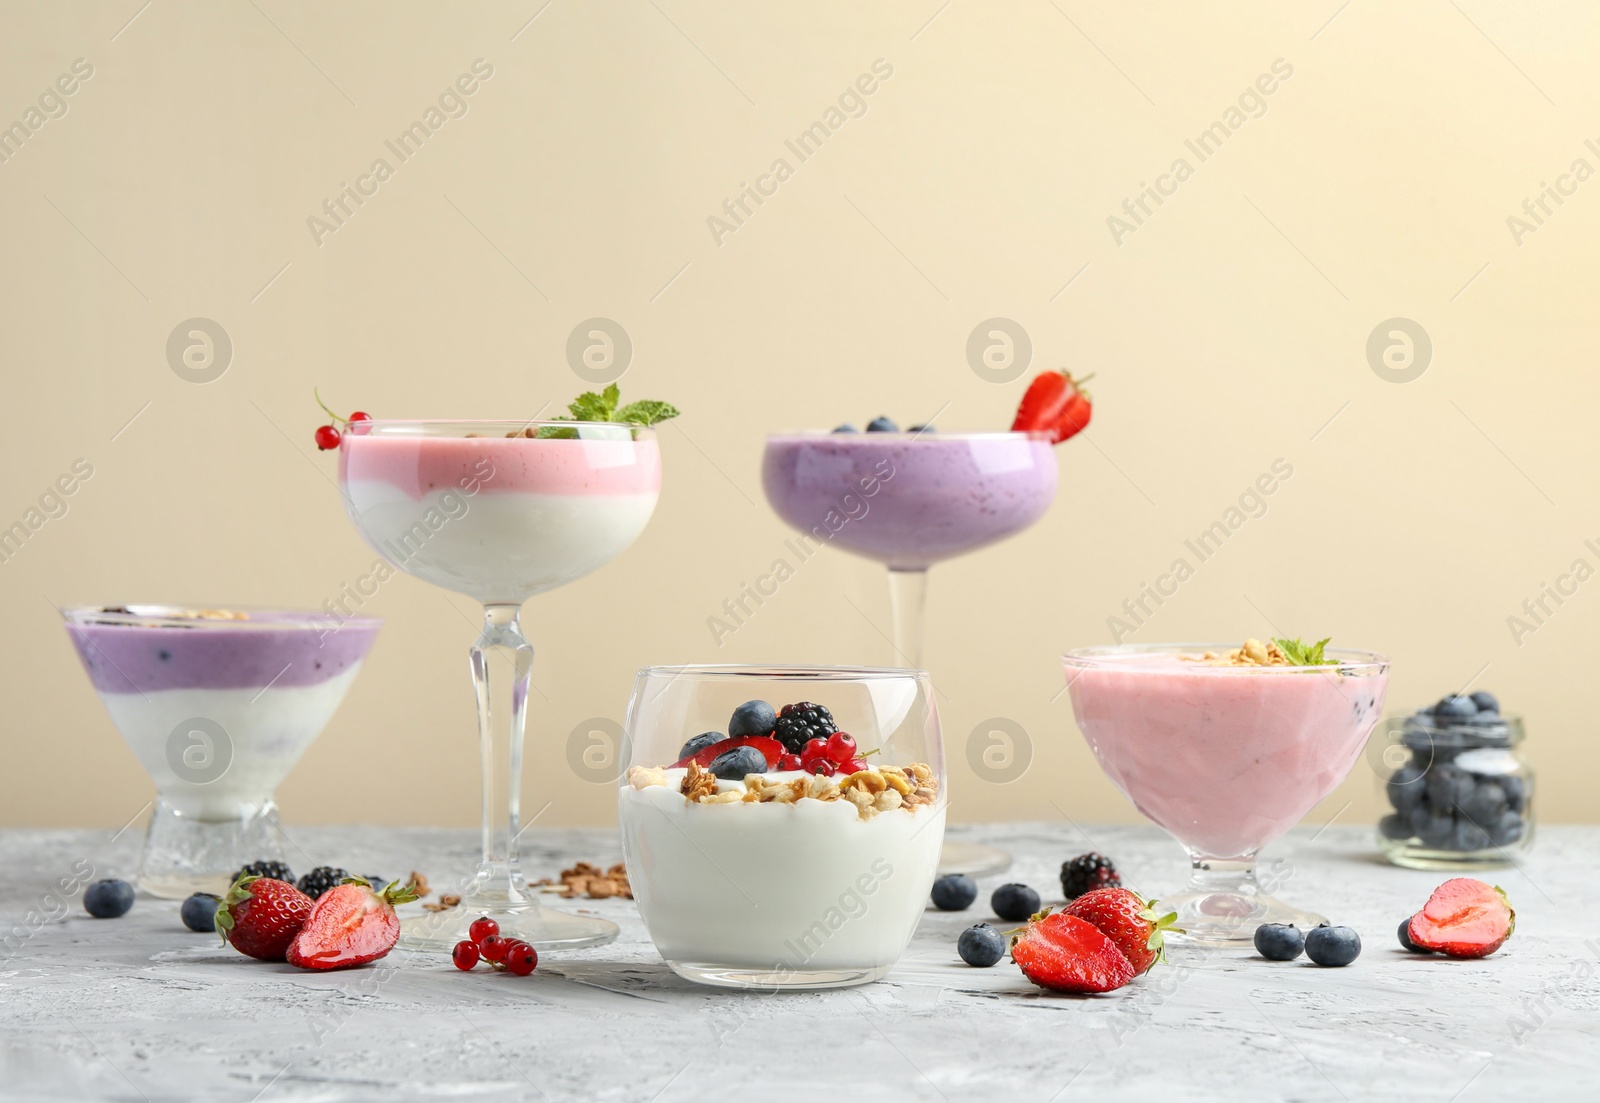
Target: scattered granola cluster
589,880
1277,652
881,788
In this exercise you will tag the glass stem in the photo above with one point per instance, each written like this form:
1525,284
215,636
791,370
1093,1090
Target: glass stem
908,595
500,735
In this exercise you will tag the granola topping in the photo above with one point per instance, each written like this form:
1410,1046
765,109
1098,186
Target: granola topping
879,789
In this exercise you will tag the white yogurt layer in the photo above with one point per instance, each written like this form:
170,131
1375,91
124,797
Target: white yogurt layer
770,886
266,731
496,546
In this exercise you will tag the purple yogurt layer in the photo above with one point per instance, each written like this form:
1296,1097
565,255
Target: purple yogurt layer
909,501
133,657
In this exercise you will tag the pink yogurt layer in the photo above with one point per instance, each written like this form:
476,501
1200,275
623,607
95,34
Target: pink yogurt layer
1226,759
420,465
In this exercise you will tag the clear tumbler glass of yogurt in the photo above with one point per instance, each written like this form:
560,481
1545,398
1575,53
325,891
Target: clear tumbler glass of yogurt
754,871
1227,754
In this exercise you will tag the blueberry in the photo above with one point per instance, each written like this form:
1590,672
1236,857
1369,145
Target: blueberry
1516,791
752,718
1405,939
1507,829
735,764
1327,945
954,892
1486,701
108,899
1489,722
1395,826
882,425
1454,708
1435,829
1448,786
700,743
1469,836
1487,803
1014,902
1279,941
923,429
846,428
200,912
981,945
1405,787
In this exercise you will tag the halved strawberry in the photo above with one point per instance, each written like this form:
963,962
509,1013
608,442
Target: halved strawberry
1130,921
766,744
1064,953
260,916
1054,403
1464,918
350,925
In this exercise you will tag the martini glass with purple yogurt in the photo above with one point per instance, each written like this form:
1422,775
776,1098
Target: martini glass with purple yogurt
218,706
909,500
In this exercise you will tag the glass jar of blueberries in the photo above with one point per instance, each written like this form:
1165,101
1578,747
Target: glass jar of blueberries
1458,784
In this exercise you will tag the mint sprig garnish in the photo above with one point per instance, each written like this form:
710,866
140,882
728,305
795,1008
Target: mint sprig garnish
1305,654
590,406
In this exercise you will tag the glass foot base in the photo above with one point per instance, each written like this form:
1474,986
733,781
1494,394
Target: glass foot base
1229,918
776,980
540,927
973,859
185,854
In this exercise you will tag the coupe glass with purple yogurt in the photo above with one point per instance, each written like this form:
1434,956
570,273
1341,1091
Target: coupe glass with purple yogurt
909,500
218,706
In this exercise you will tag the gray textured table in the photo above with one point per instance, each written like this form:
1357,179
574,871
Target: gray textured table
140,1008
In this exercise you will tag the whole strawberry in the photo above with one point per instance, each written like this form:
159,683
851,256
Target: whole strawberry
1064,953
350,924
260,916
1130,921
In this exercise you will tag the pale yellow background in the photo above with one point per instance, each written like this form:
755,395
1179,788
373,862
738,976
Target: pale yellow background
1228,331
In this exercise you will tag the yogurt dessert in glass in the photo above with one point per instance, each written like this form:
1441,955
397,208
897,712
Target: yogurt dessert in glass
798,851
500,511
1227,748
218,706
909,500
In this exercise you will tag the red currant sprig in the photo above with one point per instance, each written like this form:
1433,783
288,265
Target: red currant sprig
510,955
328,435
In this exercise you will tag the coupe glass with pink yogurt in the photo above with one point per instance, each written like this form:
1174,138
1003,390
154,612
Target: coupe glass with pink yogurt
500,511
908,501
1226,758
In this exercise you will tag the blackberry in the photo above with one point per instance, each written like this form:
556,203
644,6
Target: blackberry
278,871
800,723
320,880
1086,872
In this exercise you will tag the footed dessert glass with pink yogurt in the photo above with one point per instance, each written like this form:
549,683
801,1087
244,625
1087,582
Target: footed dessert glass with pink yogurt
218,706
1227,754
500,511
909,500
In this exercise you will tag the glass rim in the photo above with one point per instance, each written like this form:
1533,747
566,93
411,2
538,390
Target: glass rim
264,617
1101,656
364,428
905,435
776,671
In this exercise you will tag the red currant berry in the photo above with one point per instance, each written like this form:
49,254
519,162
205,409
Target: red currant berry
327,438
854,766
360,415
813,750
465,955
820,766
359,423
482,928
841,747
521,959
789,762
493,948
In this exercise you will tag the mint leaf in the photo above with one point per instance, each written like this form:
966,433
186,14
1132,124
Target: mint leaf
557,432
647,411
1305,654
589,406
